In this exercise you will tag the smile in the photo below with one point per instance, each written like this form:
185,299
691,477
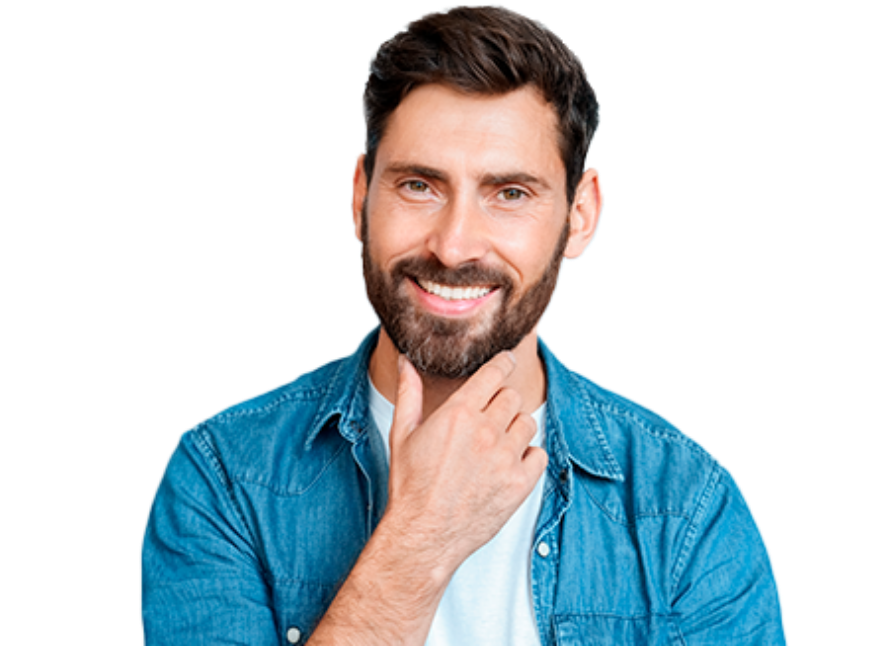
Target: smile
450,293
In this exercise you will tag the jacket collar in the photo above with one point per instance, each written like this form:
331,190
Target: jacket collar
573,429
574,432
346,403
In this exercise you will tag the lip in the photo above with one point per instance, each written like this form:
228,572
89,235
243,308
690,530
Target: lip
441,307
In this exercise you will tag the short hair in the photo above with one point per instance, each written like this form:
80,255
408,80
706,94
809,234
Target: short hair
489,51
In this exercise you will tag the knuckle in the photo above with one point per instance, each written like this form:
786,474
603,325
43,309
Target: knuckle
520,480
483,444
492,372
526,424
504,399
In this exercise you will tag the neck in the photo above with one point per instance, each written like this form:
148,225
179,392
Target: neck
529,378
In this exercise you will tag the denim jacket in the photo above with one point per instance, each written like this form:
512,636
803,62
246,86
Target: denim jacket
642,537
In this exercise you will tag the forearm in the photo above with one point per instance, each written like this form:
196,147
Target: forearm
389,598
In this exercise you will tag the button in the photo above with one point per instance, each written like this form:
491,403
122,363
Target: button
543,549
563,476
294,635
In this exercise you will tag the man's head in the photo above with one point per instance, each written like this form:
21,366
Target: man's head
471,190
486,51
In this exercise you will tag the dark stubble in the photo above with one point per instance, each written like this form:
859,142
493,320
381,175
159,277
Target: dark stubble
455,348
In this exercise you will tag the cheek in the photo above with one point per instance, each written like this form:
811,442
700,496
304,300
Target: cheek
389,241
527,253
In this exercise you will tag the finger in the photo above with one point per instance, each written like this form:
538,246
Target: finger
409,400
503,408
522,430
534,463
482,386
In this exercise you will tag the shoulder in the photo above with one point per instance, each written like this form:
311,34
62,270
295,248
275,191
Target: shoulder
653,470
631,427
258,441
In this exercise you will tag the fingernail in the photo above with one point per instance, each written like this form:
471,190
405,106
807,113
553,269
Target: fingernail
400,361
512,356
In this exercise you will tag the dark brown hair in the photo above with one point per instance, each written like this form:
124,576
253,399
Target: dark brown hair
484,50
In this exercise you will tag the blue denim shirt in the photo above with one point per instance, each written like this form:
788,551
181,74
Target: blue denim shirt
642,537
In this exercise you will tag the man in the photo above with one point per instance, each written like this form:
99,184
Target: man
522,504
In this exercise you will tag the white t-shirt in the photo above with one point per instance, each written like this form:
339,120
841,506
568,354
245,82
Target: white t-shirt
488,600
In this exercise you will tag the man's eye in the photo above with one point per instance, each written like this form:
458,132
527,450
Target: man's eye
417,186
510,194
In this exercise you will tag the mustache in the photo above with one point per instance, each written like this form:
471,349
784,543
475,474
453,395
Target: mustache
468,274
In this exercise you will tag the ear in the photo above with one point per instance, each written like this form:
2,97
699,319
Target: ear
361,187
584,213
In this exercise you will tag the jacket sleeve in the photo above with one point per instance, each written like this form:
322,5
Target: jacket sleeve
724,589
202,579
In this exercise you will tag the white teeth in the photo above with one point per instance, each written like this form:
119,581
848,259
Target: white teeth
453,293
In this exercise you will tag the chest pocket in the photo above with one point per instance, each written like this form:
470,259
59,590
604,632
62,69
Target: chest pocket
612,630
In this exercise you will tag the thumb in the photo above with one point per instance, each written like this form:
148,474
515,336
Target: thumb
409,394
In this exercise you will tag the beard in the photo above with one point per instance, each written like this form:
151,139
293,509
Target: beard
452,348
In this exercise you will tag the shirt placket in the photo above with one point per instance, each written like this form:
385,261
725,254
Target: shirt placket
545,552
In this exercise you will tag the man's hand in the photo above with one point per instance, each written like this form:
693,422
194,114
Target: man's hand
457,477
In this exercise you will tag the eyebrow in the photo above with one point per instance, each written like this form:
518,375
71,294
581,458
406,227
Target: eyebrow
512,178
488,179
403,168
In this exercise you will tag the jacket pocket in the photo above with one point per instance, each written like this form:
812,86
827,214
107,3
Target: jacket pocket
613,630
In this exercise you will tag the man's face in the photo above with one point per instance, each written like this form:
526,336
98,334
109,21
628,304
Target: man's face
464,225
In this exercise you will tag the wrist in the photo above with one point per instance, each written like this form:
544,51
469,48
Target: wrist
412,554
390,597
415,547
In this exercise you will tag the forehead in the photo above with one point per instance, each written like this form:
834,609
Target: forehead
441,127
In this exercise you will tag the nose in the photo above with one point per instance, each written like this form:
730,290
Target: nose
459,233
